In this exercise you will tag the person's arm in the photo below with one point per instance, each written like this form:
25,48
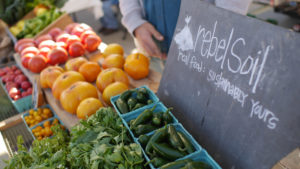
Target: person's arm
132,13
133,20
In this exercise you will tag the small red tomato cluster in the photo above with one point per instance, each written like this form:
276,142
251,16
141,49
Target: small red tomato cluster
55,47
16,83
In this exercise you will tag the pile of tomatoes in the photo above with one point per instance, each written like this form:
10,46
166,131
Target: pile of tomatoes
37,116
43,131
16,83
56,46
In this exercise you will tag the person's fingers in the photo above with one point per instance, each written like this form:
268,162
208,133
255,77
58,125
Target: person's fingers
155,33
148,49
150,43
164,56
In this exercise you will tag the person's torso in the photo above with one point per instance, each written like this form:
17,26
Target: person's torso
163,14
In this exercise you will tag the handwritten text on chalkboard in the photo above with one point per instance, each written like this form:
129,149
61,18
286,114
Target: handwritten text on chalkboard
223,52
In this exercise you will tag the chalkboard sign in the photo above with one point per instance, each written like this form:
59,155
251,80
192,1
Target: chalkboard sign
233,83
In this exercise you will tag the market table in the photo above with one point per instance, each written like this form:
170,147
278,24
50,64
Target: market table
69,120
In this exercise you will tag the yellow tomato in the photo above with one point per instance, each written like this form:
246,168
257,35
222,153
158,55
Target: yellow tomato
35,113
47,124
31,111
46,111
44,116
48,131
38,118
55,121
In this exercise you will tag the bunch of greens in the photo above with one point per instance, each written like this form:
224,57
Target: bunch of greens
35,25
102,141
12,11
47,153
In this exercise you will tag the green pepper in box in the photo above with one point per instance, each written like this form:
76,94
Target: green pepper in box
157,119
157,161
167,143
174,138
189,147
138,105
122,106
175,164
135,99
143,117
158,136
148,119
166,151
143,139
131,103
144,129
125,96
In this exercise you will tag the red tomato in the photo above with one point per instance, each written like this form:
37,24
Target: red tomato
92,42
7,69
70,27
47,43
26,40
13,92
42,38
29,90
57,55
44,51
37,63
24,46
86,34
54,32
63,37
85,26
61,44
25,59
25,85
76,49
14,67
72,39
10,85
30,49
77,31
18,71
20,78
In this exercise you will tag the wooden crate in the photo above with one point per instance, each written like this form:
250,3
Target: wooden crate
61,22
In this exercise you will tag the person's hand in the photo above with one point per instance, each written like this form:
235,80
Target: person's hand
144,35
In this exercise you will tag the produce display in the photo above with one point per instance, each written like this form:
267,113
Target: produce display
46,153
103,142
111,82
36,116
70,87
166,145
149,120
132,100
42,131
49,75
35,25
140,133
13,11
16,83
136,65
56,46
